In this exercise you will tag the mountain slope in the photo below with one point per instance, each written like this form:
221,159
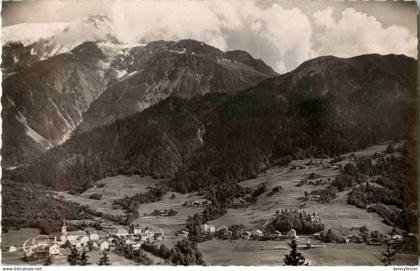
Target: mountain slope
226,137
43,104
147,74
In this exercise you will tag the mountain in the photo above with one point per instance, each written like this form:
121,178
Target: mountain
27,43
327,106
147,74
78,74
43,103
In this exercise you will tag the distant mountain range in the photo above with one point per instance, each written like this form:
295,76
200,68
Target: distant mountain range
67,78
327,106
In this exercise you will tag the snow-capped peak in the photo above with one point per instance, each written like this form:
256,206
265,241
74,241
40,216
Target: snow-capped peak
97,26
49,39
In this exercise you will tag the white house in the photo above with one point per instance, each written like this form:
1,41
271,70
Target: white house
93,236
183,234
84,240
120,232
12,249
149,233
246,234
204,228
104,245
257,233
137,231
212,229
222,229
159,235
54,249
291,233
276,234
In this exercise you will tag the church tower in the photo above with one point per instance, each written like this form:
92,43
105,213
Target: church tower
64,228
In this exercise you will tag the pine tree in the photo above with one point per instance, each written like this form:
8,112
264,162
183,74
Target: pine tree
389,253
83,259
48,261
73,256
295,258
104,260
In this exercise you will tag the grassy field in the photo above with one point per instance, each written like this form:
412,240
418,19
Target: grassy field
114,188
245,252
337,215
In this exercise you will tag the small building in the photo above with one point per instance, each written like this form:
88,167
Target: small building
12,249
275,234
183,234
204,228
222,229
54,249
137,231
149,233
84,240
291,233
120,232
93,236
257,233
159,235
104,245
246,234
212,229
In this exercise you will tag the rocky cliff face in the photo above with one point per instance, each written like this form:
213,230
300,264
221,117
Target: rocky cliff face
44,103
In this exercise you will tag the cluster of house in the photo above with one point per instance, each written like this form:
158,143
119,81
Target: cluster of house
225,232
89,237
197,203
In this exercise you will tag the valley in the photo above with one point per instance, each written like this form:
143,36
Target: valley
337,215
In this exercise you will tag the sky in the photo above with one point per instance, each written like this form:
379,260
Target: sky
282,33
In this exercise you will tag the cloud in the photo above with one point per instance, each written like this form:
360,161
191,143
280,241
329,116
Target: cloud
279,31
356,33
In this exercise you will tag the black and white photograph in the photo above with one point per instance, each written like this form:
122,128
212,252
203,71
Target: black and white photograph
210,133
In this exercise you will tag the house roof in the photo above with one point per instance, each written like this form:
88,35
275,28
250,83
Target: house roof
76,233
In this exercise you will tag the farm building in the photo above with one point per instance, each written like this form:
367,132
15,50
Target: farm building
54,249
104,245
257,233
291,233
275,234
159,235
120,232
183,234
12,249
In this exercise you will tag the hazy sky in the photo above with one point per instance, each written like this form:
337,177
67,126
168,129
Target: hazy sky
282,33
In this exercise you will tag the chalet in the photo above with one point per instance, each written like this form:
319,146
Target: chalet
204,228
120,232
222,229
104,245
212,229
12,249
257,233
83,240
93,236
137,231
54,249
208,229
246,234
352,239
159,235
149,233
397,237
183,234
74,235
275,235
291,233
